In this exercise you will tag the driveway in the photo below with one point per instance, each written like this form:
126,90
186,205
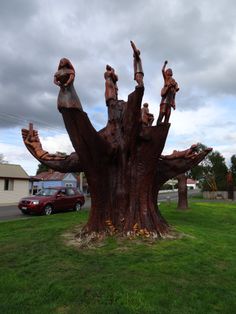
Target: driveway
173,195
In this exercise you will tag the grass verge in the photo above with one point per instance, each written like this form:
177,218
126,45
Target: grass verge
194,274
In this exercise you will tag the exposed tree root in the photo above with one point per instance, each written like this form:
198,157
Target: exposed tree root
80,240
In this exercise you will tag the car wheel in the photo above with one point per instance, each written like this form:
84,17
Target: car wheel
78,207
24,211
48,210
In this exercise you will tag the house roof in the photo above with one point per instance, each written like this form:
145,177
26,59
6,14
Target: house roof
12,171
191,181
49,176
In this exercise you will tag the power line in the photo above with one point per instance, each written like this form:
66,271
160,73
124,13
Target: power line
22,120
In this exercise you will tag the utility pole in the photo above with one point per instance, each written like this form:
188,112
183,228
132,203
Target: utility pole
81,181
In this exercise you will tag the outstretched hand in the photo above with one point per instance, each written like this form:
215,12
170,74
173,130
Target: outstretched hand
24,133
30,137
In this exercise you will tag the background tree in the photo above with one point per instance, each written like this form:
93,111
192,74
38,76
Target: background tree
211,172
42,168
233,168
2,159
219,169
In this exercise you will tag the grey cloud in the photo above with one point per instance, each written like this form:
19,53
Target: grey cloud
14,13
196,38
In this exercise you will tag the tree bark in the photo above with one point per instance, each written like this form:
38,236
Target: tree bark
120,163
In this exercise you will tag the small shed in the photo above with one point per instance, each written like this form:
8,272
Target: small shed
14,183
191,184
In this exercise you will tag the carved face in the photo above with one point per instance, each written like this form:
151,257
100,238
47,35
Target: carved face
194,146
62,75
139,76
169,72
64,62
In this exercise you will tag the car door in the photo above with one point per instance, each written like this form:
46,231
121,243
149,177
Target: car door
71,197
60,202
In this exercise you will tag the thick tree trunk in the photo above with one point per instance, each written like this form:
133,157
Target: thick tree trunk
123,166
231,192
124,197
120,163
182,192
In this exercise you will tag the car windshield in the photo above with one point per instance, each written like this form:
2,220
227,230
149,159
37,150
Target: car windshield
47,192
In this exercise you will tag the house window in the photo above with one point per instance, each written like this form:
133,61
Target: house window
8,184
69,185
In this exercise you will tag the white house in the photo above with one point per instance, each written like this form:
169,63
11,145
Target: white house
14,183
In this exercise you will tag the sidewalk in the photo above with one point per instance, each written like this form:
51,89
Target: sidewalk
212,200
87,203
8,204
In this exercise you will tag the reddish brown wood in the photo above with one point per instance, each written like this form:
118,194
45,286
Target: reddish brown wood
230,185
182,192
121,171
168,93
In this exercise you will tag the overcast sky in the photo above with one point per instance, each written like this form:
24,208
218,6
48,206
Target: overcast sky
198,38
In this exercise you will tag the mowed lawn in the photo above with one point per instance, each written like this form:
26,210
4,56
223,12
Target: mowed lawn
194,274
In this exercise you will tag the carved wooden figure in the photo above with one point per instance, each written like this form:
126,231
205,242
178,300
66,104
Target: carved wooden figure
122,161
33,143
64,78
168,95
138,68
187,153
147,118
111,89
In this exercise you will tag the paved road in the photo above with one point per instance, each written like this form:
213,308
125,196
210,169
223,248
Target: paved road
173,196
12,212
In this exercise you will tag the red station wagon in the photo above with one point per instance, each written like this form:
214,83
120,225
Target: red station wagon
51,200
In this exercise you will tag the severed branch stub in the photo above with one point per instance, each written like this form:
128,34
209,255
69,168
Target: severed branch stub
123,162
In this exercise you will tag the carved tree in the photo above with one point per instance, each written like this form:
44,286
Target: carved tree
122,163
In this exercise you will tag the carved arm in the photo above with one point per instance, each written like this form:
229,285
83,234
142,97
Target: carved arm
164,68
67,163
170,168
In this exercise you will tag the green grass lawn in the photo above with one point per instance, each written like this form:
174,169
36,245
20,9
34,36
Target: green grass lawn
194,274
